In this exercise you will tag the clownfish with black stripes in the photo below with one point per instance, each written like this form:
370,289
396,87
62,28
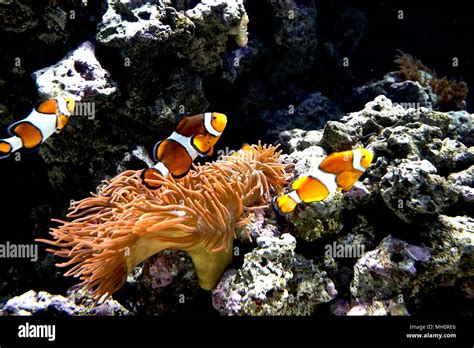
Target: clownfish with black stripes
337,172
46,118
194,136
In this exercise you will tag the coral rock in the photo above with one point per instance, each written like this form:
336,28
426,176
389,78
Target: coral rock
16,16
135,27
450,155
391,307
79,74
273,281
215,20
262,224
397,267
465,179
413,190
339,136
156,286
299,140
388,270
41,303
461,127
315,220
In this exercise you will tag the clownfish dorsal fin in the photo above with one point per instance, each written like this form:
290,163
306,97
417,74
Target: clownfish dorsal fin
299,182
337,162
47,107
189,126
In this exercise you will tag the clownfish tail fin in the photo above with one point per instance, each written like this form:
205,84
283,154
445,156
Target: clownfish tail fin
148,176
5,149
284,204
151,175
9,145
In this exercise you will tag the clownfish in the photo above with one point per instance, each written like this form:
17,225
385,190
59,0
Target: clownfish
46,118
337,172
194,136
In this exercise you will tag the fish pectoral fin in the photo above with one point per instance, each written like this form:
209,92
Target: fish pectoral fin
345,181
48,107
61,122
201,144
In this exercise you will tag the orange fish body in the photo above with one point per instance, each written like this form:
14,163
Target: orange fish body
47,118
194,136
337,172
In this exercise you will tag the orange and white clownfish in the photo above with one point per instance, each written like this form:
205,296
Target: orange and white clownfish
337,172
194,136
46,118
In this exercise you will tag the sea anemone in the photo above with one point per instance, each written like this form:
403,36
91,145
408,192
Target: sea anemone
126,223
450,93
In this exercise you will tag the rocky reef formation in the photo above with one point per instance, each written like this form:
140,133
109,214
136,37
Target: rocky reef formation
273,280
77,303
161,285
415,199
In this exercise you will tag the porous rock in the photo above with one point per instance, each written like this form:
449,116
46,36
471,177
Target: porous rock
135,27
162,284
465,180
413,190
390,307
78,75
77,303
388,270
314,220
461,126
397,267
273,281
